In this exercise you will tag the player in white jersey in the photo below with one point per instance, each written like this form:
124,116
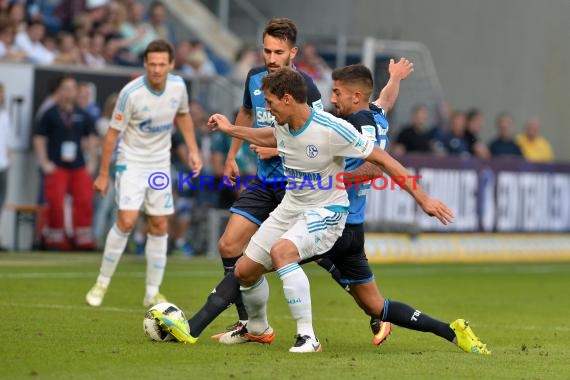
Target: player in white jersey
311,217
144,116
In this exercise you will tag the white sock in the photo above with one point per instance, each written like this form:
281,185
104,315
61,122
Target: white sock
155,251
255,299
114,247
298,294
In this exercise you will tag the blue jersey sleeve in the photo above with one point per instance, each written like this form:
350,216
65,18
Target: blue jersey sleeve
313,94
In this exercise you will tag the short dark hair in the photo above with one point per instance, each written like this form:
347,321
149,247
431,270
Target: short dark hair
159,46
473,113
355,74
62,78
283,29
286,81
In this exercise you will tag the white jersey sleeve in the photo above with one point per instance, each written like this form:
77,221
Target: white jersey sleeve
347,142
122,112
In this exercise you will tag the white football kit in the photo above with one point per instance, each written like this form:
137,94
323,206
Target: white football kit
146,119
313,212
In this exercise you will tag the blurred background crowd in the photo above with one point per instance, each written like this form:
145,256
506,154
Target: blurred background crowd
103,33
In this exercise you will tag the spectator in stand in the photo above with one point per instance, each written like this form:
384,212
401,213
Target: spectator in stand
534,147
475,121
8,50
504,144
30,41
456,143
312,63
137,32
199,64
62,136
86,94
67,50
181,53
413,137
157,19
246,59
17,16
93,56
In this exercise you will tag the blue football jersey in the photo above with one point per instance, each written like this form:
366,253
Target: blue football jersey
371,123
271,170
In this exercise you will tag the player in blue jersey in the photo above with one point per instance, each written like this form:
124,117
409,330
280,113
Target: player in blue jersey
350,93
258,199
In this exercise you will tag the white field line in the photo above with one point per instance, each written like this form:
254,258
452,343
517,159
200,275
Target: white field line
388,271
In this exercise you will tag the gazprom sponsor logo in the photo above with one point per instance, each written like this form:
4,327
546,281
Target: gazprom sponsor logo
147,127
263,117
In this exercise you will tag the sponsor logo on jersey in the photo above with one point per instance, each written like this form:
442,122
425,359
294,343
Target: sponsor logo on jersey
119,117
257,92
263,117
147,127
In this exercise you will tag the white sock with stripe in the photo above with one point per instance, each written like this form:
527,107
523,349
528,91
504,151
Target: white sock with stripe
255,299
114,248
298,294
155,252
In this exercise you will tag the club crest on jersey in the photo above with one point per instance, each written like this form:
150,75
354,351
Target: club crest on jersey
312,151
173,103
263,117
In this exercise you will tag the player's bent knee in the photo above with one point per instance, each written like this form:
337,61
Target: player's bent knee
284,252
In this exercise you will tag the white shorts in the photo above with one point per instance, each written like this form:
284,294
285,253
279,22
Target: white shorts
149,190
313,232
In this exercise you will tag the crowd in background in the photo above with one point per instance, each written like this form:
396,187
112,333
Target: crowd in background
97,33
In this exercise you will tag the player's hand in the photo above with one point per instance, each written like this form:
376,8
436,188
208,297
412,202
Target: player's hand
101,184
264,153
195,163
402,69
435,208
218,122
231,170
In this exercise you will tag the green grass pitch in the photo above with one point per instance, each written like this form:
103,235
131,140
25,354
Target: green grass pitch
48,332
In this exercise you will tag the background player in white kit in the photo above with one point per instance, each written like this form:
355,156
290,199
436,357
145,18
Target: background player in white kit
145,112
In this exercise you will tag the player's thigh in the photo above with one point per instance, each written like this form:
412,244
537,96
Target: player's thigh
236,235
158,200
259,247
316,231
130,188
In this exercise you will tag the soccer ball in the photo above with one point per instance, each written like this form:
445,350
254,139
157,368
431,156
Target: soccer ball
152,329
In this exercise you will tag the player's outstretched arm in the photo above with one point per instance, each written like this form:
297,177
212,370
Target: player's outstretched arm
186,125
398,72
399,174
258,136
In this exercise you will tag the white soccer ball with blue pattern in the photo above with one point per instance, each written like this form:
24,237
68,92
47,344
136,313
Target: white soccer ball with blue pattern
152,329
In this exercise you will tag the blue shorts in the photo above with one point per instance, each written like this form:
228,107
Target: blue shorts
258,200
